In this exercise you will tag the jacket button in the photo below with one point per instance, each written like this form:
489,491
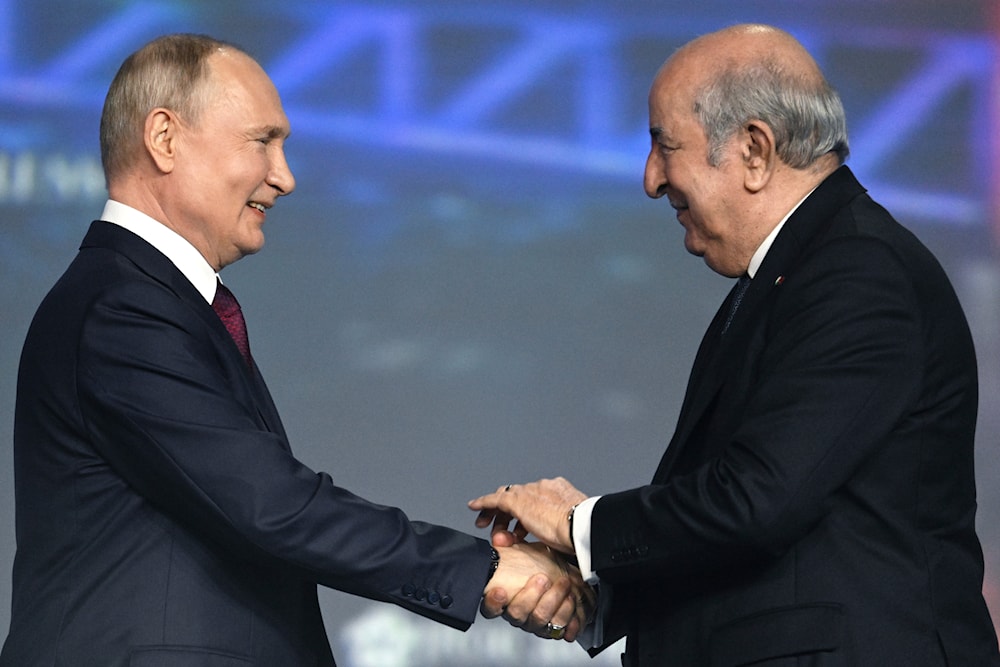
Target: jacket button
446,601
434,597
420,594
409,590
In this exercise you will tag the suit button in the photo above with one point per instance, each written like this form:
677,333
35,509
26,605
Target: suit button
409,590
433,597
446,601
420,594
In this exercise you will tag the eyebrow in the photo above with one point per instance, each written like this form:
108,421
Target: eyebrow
273,131
659,134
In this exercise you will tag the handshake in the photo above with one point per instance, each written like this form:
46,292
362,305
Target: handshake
537,586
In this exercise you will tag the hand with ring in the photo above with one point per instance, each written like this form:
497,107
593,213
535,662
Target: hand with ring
552,601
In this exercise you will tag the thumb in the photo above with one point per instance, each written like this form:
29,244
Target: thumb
503,538
494,602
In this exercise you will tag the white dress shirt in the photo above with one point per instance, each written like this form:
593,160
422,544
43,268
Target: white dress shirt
177,249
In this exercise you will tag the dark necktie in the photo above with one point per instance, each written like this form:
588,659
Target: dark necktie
741,288
228,309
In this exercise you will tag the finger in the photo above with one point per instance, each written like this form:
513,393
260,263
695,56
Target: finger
503,538
520,608
564,620
550,608
572,630
494,516
566,611
485,517
582,611
493,603
499,525
488,500
520,533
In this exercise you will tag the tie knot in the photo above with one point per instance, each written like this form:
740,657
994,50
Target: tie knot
225,303
742,284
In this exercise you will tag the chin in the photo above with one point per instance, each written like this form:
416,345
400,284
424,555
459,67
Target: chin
693,249
252,250
253,244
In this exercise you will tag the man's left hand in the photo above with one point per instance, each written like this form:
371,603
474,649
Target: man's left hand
540,508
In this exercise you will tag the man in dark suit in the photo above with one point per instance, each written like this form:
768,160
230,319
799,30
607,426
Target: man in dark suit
162,520
816,503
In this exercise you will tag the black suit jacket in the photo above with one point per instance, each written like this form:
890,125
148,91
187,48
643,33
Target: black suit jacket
161,518
816,504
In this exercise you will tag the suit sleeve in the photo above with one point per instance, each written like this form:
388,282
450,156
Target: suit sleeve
836,368
176,421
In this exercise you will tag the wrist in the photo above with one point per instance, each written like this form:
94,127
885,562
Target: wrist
494,562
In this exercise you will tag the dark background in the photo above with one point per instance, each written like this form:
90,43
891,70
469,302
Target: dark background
469,287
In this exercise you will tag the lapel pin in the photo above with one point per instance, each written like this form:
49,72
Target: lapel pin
779,280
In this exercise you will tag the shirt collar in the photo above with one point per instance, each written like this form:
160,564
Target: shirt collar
175,247
758,257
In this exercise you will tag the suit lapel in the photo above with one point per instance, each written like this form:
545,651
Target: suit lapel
718,353
156,265
703,383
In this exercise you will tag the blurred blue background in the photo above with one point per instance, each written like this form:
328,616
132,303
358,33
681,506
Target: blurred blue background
468,287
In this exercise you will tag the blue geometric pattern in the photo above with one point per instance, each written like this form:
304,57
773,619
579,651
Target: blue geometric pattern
553,88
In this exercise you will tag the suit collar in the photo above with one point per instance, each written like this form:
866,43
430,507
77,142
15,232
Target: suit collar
177,249
151,261
803,226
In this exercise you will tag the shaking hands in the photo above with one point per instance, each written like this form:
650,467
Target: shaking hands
551,598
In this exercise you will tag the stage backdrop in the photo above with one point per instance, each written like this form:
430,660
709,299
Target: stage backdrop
468,287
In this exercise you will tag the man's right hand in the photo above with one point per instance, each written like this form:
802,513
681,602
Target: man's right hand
535,589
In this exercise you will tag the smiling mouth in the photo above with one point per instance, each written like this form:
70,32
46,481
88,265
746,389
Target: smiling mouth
260,207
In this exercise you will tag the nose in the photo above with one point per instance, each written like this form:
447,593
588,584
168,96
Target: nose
280,175
654,180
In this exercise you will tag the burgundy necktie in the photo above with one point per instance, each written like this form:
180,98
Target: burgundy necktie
228,309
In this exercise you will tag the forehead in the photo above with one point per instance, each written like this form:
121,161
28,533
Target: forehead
679,77
237,85
671,105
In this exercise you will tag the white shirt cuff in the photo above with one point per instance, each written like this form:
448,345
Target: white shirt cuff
581,538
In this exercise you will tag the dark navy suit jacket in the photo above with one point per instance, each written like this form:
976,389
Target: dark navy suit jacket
162,520
816,504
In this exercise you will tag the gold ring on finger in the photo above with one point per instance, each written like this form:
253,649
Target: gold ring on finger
555,631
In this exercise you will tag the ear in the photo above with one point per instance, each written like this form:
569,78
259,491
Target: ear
160,136
759,158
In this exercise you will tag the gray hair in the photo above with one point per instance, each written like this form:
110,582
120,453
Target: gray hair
807,117
167,72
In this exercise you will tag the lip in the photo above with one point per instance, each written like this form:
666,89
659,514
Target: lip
260,207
